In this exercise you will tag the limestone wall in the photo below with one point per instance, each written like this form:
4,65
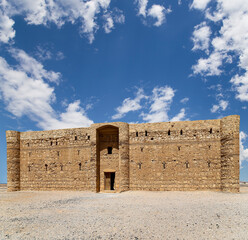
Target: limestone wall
55,160
175,156
189,155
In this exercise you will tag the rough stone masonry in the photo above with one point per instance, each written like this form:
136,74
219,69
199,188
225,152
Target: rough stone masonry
116,157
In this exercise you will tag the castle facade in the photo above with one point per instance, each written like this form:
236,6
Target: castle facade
116,157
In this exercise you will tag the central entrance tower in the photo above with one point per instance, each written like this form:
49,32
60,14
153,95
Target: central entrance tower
108,170
110,156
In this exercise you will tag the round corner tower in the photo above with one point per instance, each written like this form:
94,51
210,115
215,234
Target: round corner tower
13,160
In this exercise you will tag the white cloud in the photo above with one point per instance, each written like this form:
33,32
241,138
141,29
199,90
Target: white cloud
222,105
200,4
60,55
180,116
32,67
25,92
209,66
161,100
129,105
229,42
74,116
201,37
155,11
43,54
240,83
113,17
142,4
159,103
6,28
184,100
158,12
41,12
242,150
109,24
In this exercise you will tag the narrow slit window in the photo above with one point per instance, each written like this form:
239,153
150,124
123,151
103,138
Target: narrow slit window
46,166
137,134
56,143
181,132
169,133
28,144
211,131
187,164
110,150
209,164
58,153
75,138
209,147
141,149
80,166
51,143
139,164
179,148
164,165
145,133
29,168
61,167
88,137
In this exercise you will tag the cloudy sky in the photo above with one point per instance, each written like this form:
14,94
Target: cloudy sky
71,63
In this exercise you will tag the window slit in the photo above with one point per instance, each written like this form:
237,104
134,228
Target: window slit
109,150
209,163
187,164
164,165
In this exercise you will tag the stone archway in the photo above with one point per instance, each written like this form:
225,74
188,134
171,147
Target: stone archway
107,148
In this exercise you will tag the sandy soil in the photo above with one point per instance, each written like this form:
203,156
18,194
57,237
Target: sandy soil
129,215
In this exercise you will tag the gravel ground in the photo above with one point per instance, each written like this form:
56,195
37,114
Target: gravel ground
129,215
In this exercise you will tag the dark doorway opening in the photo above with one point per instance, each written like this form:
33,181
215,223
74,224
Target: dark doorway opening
109,181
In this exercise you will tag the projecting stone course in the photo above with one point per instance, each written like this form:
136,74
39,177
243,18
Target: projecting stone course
116,157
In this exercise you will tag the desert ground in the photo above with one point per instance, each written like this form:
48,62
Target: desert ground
129,215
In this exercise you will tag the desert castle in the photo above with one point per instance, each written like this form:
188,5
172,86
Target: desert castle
115,157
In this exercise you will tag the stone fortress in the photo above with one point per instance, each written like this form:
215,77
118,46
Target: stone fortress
116,157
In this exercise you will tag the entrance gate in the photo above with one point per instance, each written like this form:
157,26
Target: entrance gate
109,181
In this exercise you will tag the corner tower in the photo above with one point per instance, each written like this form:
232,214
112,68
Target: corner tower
230,153
13,160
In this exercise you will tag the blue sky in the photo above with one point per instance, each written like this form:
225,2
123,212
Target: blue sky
70,63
